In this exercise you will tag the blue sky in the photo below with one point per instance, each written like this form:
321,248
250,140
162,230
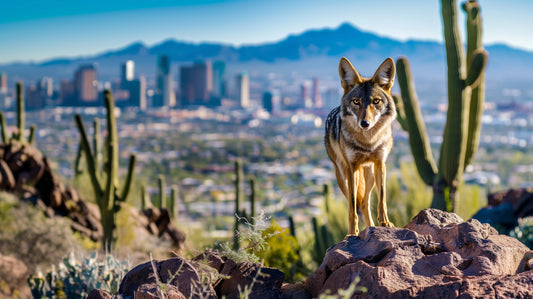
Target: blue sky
36,30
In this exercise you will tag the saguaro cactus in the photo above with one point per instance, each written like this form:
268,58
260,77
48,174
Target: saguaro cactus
239,194
106,183
21,119
465,107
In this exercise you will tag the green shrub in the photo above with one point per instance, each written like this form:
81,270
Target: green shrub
281,251
31,237
524,231
75,279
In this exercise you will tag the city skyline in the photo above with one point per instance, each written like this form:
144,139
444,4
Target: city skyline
41,30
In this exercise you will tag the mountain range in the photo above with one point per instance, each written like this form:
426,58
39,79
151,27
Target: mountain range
314,52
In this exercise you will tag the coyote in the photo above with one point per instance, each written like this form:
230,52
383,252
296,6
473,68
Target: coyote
359,138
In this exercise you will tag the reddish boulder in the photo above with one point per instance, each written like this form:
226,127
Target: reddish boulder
436,255
177,272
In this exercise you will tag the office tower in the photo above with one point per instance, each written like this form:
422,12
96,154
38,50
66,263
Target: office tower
66,93
127,71
305,99
33,98
46,87
196,83
317,99
219,79
164,90
137,93
243,90
267,101
86,85
3,82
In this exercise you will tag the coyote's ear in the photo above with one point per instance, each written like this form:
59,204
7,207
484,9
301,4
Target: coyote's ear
349,76
384,76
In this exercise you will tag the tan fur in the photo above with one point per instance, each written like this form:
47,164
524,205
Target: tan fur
359,138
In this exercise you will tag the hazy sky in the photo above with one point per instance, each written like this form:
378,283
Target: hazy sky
36,30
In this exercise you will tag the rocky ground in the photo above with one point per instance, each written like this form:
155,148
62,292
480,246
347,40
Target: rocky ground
437,255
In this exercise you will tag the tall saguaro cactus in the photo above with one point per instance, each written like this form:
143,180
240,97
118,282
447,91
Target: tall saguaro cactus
105,183
466,89
21,119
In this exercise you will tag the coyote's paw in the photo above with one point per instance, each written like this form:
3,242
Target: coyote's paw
350,235
386,224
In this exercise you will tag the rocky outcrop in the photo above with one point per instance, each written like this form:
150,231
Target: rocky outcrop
505,208
23,166
207,276
437,255
13,278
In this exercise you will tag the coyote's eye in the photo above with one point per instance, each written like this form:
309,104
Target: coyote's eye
377,101
356,101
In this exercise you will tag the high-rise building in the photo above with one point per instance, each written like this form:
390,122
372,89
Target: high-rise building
127,71
86,85
219,79
164,91
66,93
137,91
243,90
3,82
317,99
267,101
33,98
305,99
272,101
196,83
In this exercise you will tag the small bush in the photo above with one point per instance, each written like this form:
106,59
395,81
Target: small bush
524,231
75,279
31,237
281,251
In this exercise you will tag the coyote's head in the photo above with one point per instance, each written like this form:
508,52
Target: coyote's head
367,99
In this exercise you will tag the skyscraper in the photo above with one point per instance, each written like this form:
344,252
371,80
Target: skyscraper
33,97
196,83
164,91
219,79
85,85
3,82
127,71
317,99
243,89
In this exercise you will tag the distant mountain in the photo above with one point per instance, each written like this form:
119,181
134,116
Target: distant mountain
315,51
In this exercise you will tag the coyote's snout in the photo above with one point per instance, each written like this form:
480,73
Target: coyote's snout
359,139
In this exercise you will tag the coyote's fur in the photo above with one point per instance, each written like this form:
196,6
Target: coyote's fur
359,139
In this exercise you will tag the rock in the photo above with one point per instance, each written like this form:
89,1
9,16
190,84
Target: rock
177,272
99,294
294,291
262,282
436,255
505,208
154,291
13,278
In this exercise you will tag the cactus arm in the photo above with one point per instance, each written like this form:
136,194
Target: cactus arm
129,178
161,202
31,137
84,143
452,153
110,187
112,136
20,112
400,111
477,57
476,68
418,139
4,128
173,207
97,147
